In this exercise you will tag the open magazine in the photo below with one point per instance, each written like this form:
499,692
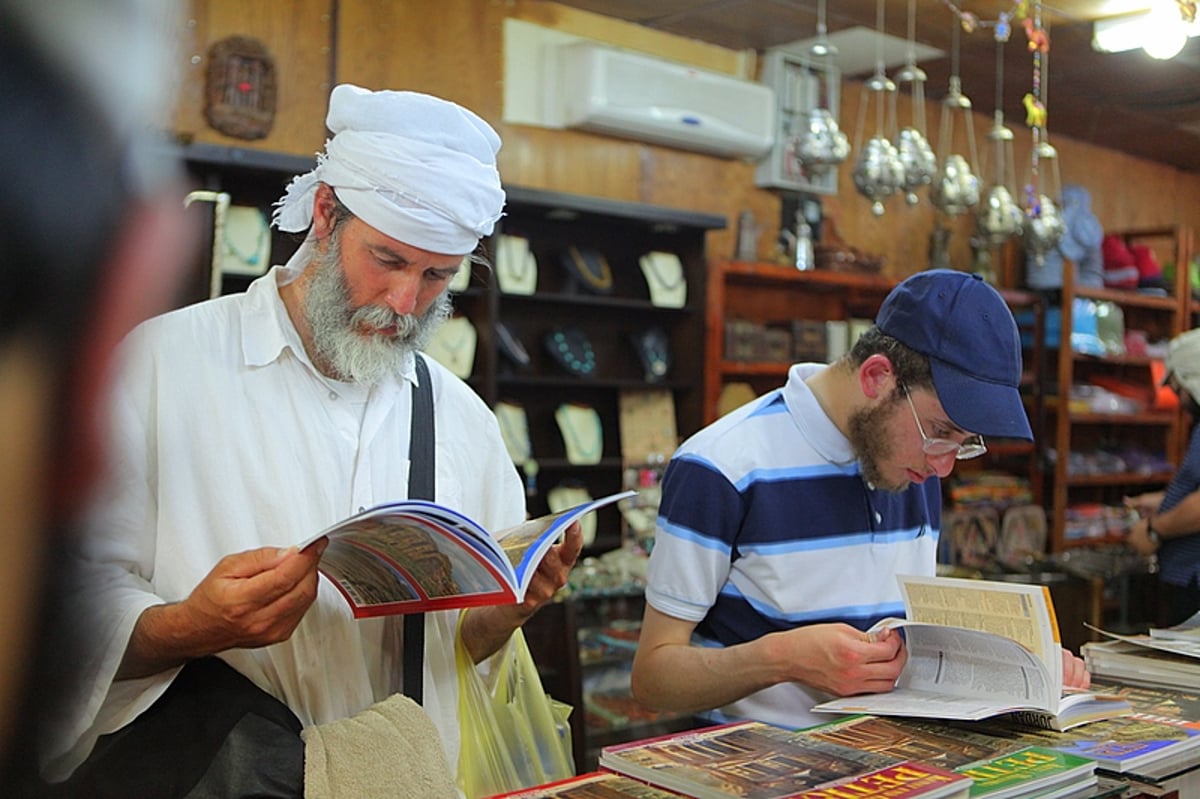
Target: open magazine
414,555
978,649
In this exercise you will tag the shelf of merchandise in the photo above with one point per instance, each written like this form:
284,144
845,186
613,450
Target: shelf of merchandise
622,232
769,293
1071,429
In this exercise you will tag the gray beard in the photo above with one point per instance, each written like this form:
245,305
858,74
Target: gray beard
353,357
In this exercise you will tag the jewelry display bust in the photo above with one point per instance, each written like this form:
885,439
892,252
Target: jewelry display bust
582,432
516,265
453,346
652,347
245,242
587,269
665,279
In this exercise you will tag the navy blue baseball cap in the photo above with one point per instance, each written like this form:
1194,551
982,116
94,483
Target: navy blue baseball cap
968,333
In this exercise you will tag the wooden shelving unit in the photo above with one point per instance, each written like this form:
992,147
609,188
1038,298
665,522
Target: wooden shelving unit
1071,429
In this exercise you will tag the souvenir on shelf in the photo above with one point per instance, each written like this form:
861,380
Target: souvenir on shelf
653,350
453,346
572,350
245,242
516,265
587,269
648,430
582,432
665,279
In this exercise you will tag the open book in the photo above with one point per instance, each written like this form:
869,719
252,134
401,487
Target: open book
413,555
978,649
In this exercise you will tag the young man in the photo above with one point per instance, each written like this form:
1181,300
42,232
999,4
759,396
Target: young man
247,423
783,524
1171,519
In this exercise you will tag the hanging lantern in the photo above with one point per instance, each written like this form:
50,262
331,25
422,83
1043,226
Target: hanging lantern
820,144
1044,225
878,173
916,155
999,216
955,187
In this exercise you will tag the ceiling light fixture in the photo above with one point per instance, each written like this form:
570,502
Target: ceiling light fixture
1161,32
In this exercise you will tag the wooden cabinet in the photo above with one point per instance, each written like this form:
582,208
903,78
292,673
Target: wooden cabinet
583,645
1093,451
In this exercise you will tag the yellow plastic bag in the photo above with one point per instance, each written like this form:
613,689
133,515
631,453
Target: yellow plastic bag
514,734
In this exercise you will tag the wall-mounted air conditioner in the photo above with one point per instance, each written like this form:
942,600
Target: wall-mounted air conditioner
619,93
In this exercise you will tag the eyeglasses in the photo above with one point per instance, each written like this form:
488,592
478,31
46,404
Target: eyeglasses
973,447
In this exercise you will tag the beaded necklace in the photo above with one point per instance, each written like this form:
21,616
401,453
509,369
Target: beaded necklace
592,268
572,349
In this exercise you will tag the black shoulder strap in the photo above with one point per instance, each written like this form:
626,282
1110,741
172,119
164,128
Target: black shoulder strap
420,486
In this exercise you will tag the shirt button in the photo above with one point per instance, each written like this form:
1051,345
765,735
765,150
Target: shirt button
333,395
878,517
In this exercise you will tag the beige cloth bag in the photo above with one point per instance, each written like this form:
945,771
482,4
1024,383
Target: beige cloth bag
390,750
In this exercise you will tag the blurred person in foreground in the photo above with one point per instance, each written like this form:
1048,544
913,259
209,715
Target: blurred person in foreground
247,423
783,525
1169,524
93,236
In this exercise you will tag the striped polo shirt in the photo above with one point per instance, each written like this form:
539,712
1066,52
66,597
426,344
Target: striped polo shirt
766,524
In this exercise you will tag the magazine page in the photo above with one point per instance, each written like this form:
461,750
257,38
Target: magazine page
525,544
395,562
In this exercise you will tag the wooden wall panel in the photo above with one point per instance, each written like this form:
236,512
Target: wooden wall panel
297,34
454,48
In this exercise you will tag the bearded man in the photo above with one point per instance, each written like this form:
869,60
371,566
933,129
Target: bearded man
783,525
244,424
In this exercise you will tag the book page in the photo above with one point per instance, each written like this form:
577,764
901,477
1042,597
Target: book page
956,673
1020,611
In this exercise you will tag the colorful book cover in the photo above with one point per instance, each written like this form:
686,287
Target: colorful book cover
593,785
754,760
1032,771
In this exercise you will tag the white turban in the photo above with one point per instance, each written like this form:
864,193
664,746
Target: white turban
417,168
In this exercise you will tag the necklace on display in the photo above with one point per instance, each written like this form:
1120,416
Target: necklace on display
570,347
516,265
453,346
652,350
582,432
511,346
665,279
245,225
514,429
591,268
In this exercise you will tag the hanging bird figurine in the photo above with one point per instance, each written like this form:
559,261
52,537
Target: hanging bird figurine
1035,112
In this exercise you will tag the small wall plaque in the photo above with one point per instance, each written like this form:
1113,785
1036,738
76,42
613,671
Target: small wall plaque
240,90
